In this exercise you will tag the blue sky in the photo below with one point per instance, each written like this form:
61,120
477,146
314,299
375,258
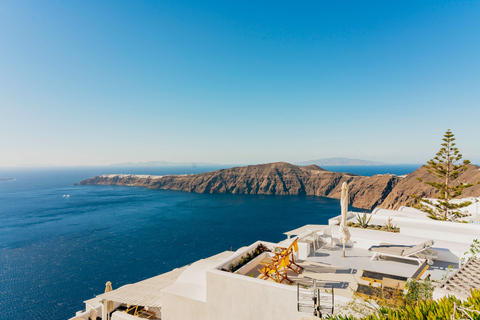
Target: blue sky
101,82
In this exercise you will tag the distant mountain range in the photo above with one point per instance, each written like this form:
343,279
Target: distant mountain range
318,162
341,162
162,164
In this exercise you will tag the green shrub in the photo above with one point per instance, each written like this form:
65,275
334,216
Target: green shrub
389,226
473,252
243,260
374,227
428,310
419,290
363,221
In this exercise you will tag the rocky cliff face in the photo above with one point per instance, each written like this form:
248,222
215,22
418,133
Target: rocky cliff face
387,191
272,179
409,185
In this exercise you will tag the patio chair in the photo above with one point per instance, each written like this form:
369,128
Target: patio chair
327,233
275,269
312,239
140,312
417,253
289,251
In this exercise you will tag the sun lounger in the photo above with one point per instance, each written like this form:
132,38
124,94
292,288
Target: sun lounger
392,286
378,277
418,253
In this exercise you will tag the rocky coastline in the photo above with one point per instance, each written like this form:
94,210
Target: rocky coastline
280,178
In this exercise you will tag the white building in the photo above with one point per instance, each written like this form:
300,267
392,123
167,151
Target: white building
206,290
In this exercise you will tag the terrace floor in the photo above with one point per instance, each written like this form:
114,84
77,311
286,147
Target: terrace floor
330,269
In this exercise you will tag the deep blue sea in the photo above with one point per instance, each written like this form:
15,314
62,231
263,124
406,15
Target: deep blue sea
60,243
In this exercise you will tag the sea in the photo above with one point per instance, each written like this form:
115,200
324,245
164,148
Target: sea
60,242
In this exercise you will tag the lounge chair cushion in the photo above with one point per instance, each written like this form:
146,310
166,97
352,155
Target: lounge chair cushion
395,250
414,249
418,247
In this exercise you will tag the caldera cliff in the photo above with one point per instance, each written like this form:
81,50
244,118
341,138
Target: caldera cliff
280,178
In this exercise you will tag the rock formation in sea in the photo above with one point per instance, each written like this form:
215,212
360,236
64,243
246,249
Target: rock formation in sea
280,178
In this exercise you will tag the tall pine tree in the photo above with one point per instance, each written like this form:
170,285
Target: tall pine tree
446,167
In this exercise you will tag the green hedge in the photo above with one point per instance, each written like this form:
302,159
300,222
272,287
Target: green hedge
429,310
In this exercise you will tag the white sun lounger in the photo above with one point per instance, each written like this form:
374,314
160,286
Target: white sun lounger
419,253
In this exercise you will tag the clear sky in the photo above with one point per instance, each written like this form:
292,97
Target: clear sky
101,82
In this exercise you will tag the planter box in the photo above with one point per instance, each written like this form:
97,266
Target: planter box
252,263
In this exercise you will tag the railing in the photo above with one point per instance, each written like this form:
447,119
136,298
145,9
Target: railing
306,297
325,301
313,300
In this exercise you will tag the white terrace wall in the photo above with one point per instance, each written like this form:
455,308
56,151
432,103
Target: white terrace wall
431,229
230,296
236,297
448,251
179,307
418,225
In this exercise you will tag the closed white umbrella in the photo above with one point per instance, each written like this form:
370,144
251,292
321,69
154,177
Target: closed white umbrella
344,233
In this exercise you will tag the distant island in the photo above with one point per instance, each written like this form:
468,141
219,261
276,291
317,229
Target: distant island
387,191
163,164
6,179
341,162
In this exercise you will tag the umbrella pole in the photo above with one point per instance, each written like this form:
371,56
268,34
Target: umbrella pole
344,250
